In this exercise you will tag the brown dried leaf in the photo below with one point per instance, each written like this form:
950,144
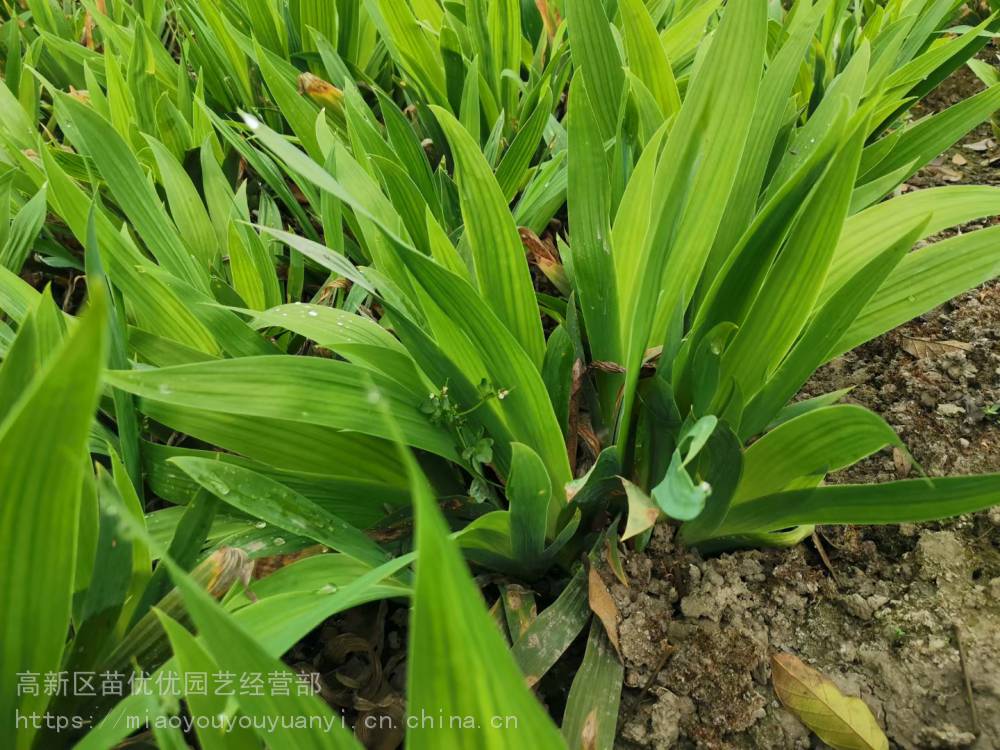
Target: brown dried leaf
550,18
923,348
842,722
585,431
573,418
610,367
265,566
949,174
603,605
902,462
984,145
537,249
959,161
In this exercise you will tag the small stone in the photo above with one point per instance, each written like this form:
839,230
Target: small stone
877,601
949,410
995,588
857,606
945,737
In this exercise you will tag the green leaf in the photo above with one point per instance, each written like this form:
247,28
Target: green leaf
120,169
514,166
596,54
192,659
826,327
288,388
678,495
458,664
284,444
280,506
24,231
298,111
529,492
107,587
647,57
869,233
498,256
591,716
769,114
812,445
188,212
922,281
160,307
589,262
235,650
553,631
693,181
909,501
189,538
526,404
920,143
354,337
42,456
411,46
794,283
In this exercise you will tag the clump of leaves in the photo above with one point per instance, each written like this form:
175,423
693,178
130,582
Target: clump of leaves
535,265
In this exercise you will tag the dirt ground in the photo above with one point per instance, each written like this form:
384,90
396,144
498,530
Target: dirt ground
891,617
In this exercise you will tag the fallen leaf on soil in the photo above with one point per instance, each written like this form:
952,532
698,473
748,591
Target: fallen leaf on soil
842,722
922,348
959,161
984,145
949,174
602,605
902,462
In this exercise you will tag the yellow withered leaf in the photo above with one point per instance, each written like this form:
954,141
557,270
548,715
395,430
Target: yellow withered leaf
842,722
324,93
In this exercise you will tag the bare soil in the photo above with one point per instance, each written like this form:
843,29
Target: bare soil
892,615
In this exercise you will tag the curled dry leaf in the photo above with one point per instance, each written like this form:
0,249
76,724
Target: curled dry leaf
642,511
544,255
323,93
610,367
603,605
842,722
983,145
550,17
923,348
